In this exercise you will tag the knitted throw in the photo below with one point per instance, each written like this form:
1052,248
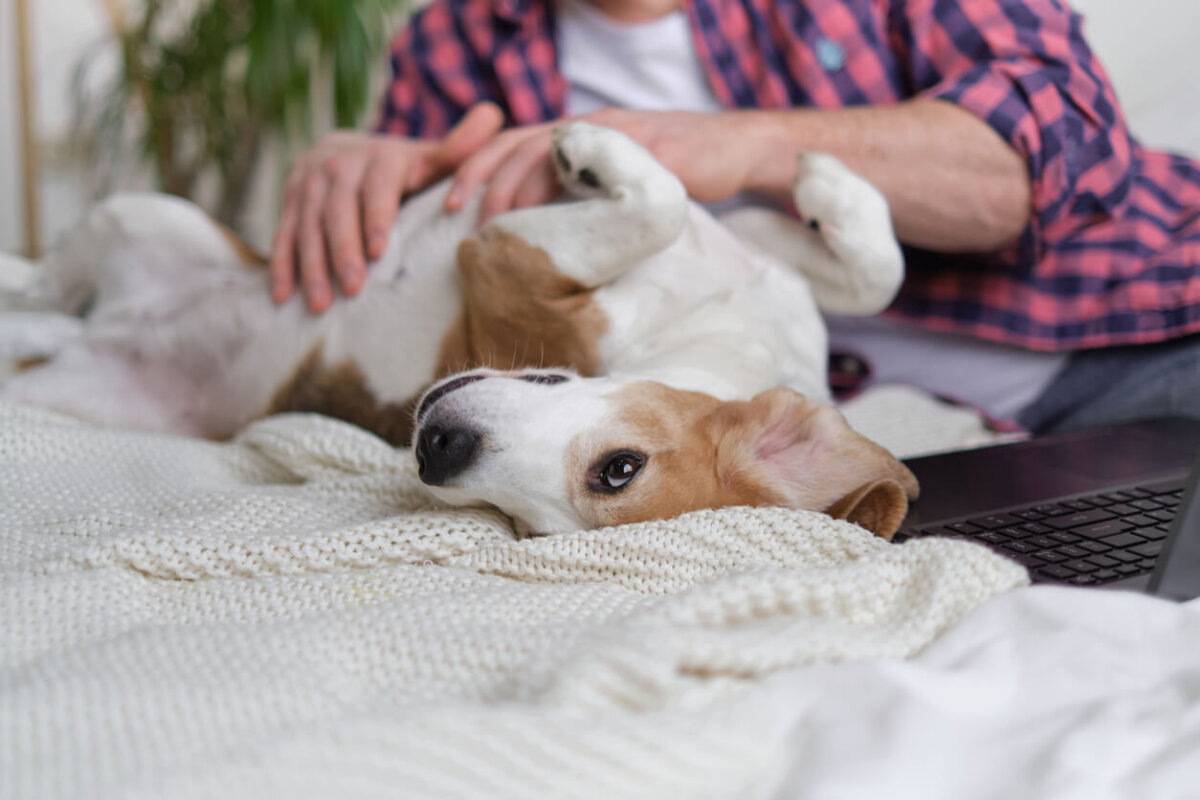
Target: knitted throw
288,615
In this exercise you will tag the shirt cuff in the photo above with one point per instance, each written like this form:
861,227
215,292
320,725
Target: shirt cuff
1018,103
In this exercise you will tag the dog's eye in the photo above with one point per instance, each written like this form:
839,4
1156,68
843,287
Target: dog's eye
544,377
620,470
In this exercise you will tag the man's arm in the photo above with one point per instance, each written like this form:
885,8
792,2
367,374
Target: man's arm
1024,89
952,182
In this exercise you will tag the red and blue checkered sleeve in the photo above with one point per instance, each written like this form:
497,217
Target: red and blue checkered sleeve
436,71
1024,67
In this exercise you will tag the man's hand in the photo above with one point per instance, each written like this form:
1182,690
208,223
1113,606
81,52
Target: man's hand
953,184
342,196
712,153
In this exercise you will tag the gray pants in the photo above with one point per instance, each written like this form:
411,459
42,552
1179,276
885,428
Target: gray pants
1120,384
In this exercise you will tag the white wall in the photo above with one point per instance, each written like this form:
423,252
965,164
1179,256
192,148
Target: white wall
1151,48
62,31
10,174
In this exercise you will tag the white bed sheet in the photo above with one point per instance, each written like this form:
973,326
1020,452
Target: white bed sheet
1045,692
1059,693
282,617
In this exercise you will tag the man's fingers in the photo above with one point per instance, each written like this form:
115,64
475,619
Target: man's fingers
479,168
314,269
481,122
540,186
511,174
434,159
382,188
283,253
342,220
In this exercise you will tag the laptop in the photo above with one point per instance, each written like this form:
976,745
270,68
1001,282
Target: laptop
1111,507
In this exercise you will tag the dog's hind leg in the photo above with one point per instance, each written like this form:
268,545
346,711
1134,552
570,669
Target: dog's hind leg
631,208
99,388
129,245
16,273
843,241
126,256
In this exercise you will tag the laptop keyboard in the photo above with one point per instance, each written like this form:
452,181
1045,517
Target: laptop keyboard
1085,541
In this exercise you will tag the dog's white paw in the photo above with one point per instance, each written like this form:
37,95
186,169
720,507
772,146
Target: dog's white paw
34,335
592,160
854,222
831,199
630,206
16,274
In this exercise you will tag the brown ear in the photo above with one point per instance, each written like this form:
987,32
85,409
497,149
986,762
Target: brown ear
879,506
781,448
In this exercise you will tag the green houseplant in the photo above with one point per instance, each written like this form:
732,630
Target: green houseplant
202,85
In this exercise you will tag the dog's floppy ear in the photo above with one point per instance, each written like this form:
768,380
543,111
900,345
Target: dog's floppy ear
781,448
879,506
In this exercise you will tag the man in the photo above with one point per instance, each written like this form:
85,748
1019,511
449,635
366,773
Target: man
1036,226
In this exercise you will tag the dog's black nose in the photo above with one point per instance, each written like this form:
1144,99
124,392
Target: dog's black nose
443,452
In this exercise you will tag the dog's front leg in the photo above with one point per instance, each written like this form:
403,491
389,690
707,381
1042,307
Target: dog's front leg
631,208
843,242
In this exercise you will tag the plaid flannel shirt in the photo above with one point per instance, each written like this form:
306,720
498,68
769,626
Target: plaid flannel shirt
1112,253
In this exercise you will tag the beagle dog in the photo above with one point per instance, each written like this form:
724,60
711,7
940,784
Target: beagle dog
619,357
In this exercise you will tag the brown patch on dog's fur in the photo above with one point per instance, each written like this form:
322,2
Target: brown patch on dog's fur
454,352
800,453
670,427
519,311
778,449
246,253
30,363
341,391
879,507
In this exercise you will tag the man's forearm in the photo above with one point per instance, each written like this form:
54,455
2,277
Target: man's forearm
953,184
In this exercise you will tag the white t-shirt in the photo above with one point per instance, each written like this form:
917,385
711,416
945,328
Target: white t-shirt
643,65
654,65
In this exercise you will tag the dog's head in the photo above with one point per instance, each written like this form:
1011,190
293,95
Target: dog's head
558,452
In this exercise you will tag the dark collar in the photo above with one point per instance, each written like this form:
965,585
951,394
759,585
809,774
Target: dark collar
511,11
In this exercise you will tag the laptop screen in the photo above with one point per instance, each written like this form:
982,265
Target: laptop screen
1177,576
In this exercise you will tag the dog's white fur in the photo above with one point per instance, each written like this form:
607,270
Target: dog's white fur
182,337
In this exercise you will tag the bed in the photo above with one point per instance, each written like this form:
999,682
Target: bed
288,615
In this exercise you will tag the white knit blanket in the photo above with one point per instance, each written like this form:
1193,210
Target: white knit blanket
287,616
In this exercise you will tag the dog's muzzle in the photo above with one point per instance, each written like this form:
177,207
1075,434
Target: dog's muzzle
444,451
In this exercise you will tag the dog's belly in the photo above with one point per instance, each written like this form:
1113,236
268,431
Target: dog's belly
221,351
382,346
228,360
709,314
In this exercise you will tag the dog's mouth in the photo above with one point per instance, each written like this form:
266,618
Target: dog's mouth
441,391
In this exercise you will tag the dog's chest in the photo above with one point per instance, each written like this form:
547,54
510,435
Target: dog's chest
709,314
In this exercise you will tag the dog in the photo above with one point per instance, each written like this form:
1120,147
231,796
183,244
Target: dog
618,357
